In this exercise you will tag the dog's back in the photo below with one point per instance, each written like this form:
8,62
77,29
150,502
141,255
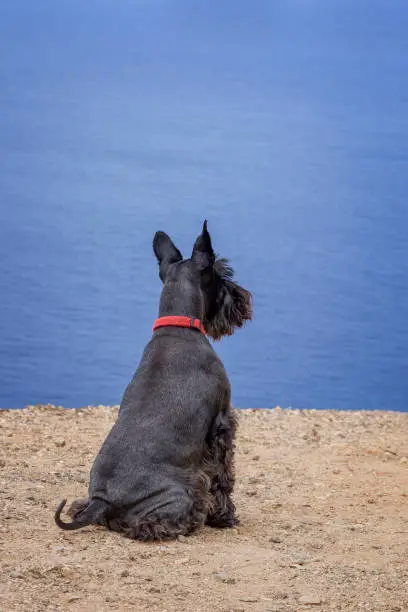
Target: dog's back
164,419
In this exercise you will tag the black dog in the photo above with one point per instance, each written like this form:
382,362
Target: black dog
166,467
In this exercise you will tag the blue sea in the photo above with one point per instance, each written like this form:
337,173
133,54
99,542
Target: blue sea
284,123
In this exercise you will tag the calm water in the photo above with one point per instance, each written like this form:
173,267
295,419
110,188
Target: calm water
284,123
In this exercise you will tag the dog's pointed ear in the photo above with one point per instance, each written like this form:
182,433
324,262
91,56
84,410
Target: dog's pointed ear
203,254
165,251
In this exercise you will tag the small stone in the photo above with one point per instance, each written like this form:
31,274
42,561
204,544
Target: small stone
299,559
275,540
18,575
74,598
256,458
124,573
142,555
315,435
252,493
60,443
403,460
248,599
167,550
310,599
181,561
2,463
182,539
36,573
223,577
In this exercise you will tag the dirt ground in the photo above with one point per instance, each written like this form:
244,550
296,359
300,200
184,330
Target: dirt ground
322,498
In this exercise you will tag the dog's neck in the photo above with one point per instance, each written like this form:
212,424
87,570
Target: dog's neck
174,302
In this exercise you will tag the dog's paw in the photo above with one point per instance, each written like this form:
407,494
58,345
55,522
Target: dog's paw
222,522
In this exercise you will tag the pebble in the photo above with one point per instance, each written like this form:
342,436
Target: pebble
248,599
297,560
182,561
60,443
142,555
182,538
167,550
124,573
288,526
2,463
223,577
17,575
310,599
275,540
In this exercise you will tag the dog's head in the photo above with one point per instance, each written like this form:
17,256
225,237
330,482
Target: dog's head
202,284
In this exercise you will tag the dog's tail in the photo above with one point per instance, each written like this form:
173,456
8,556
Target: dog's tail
92,514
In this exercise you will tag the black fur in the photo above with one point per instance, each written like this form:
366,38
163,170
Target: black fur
166,467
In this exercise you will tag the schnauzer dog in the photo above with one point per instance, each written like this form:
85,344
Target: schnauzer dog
166,467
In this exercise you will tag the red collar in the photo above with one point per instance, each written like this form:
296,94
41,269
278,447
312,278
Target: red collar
179,322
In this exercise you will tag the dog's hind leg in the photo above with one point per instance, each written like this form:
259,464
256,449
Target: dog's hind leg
181,516
221,449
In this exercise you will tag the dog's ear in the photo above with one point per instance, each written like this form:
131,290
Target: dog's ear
203,254
166,252
232,304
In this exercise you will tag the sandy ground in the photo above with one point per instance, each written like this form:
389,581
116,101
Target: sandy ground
322,498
